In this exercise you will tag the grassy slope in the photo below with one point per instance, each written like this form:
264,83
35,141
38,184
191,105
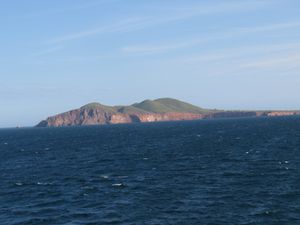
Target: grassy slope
129,109
152,106
162,105
99,106
180,106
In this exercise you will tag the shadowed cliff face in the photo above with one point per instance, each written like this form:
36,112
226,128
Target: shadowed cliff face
96,117
147,111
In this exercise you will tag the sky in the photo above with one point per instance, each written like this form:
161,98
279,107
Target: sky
228,54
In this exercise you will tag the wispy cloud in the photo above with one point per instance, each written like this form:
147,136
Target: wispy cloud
177,14
71,8
279,51
239,31
48,51
224,7
162,48
121,26
288,61
268,27
145,50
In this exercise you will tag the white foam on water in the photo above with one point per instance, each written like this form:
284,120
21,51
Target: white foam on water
19,184
44,183
104,176
118,185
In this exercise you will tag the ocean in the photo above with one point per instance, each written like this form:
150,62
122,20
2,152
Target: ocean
223,171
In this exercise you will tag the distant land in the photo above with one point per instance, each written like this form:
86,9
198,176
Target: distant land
163,109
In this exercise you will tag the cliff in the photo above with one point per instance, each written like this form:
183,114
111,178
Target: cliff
165,109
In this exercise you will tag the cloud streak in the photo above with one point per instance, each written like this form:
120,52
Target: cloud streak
121,26
272,53
73,8
48,51
163,48
138,23
288,61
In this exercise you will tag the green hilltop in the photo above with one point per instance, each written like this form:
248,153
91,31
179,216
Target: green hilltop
95,105
129,109
165,105
161,105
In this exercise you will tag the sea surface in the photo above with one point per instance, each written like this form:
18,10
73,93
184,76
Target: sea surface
227,172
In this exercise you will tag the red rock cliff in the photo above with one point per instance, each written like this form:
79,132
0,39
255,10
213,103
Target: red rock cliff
147,111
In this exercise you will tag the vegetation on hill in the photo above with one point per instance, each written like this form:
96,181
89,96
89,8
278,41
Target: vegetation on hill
152,106
164,105
95,105
161,105
180,106
129,109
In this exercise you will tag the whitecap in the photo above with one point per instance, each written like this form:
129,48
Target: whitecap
42,183
118,185
19,184
104,176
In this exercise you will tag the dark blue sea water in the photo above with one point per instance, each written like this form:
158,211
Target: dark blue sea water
231,171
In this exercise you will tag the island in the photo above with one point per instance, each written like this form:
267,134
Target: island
163,109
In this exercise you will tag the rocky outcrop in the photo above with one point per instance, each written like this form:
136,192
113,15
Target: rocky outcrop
172,116
94,117
228,114
77,117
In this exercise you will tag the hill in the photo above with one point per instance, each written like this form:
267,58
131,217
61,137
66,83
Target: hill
166,105
162,109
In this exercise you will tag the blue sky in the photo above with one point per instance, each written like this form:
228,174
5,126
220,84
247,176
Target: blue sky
229,54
